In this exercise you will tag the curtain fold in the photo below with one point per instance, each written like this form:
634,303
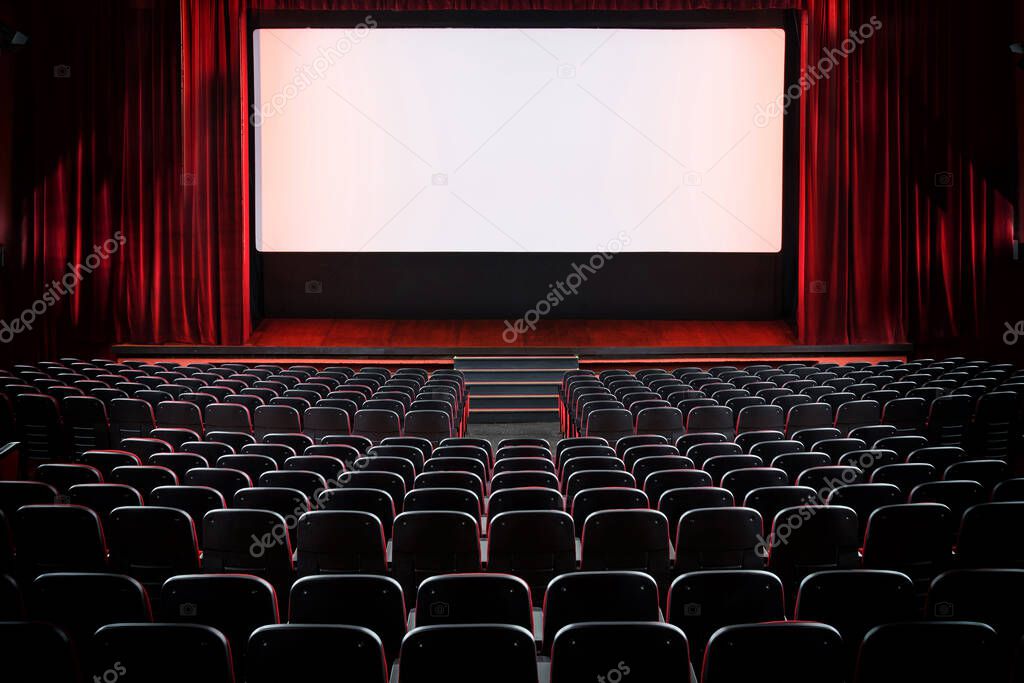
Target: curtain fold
908,177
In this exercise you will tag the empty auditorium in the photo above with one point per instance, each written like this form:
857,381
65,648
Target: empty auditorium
511,341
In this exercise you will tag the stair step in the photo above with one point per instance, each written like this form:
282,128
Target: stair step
477,389
548,401
491,415
507,362
514,375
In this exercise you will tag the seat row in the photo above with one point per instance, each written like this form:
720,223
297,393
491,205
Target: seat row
859,625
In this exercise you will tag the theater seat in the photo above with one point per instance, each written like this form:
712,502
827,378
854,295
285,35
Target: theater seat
779,652
299,652
535,545
164,653
54,538
372,602
430,543
468,654
946,652
39,648
474,599
597,651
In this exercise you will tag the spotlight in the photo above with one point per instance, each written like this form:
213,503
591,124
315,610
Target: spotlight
10,39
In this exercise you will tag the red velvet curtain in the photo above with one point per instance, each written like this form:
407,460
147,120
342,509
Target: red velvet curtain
907,156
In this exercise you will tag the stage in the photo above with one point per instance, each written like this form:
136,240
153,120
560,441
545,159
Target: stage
435,342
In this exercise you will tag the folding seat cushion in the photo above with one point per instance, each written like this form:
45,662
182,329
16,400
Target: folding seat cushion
80,603
744,480
807,416
949,418
794,464
394,485
990,536
810,437
626,442
211,450
233,604
857,413
588,451
440,499
617,650
377,425
506,653
321,421
720,537
152,543
235,440
957,495
626,539
434,425
521,499
53,538
535,545
712,419
760,418
39,426
826,479
309,483
424,446
937,652
447,463
775,653
40,648
370,500
598,596
340,541
227,417
666,421
609,423
251,465
853,601
701,602
591,501
130,418
996,419
812,538
644,467
592,479
332,469
474,599
512,480
247,541
63,476
102,498
904,476
430,543
767,450
914,539
85,418
718,465
277,419
144,446
371,602
988,473
1009,491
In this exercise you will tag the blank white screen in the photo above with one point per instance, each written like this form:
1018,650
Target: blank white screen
533,140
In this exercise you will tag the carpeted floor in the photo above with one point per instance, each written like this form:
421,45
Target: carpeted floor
496,432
